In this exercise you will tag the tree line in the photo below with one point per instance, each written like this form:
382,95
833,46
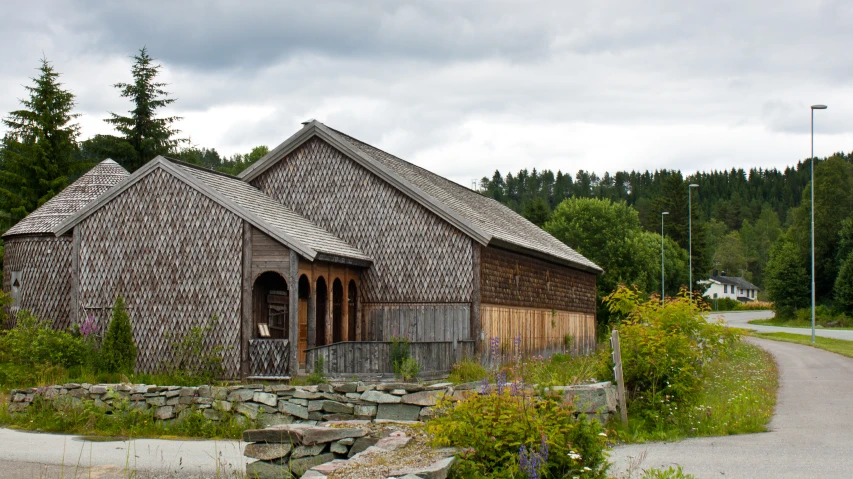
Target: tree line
42,150
752,223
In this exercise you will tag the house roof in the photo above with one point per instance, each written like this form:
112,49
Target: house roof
734,280
247,202
483,219
73,198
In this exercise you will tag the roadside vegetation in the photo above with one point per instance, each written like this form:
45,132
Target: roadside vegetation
840,346
728,304
825,317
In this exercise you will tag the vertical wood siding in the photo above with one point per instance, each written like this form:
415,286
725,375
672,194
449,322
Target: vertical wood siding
513,279
418,257
361,357
45,266
540,330
418,321
176,257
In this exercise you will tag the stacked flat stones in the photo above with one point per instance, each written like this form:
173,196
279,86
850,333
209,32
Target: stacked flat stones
270,404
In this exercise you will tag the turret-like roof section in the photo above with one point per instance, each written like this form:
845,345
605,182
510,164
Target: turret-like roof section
72,199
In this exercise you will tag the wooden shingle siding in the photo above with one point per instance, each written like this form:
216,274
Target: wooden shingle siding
45,264
418,257
513,279
540,330
418,322
175,255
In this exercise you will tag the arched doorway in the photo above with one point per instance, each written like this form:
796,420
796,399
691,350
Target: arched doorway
337,312
352,301
304,295
322,298
270,305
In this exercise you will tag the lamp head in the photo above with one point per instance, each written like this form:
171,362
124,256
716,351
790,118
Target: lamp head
664,212
818,107
693,185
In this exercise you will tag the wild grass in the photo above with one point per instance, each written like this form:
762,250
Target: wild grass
839,346
124,421
802,323
736,396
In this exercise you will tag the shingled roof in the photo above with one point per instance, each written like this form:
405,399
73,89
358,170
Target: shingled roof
247,202
484,219
736,281
73,198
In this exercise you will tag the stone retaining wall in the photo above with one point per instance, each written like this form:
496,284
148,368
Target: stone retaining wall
282,404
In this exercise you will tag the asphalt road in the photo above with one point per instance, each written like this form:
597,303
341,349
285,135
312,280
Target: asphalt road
34,455
810,434
740,319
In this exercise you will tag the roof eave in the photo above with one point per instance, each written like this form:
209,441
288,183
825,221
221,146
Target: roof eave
345,260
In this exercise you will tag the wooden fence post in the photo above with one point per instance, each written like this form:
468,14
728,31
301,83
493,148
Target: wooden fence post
620,382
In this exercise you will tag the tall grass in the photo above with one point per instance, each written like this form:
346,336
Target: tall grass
839,346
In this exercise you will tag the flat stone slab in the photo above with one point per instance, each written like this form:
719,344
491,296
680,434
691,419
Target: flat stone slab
437,470
298,467
380,397
320,435
267,470
265,398
423,398
305,451
293,409
267,452
361,445
286,433
336,407
398,412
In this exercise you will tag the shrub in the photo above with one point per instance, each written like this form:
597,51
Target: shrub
664,349
502,430
118,353
192,358
724,304
402,362
668,473
409,369
34,342
318,375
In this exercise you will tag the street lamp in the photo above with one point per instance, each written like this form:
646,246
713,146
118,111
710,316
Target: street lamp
811,187
690,236
661,256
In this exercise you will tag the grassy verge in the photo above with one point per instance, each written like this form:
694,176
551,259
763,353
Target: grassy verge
840,346
737,396
87,419
793,323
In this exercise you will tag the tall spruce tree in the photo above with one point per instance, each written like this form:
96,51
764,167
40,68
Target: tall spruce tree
38,149
143,134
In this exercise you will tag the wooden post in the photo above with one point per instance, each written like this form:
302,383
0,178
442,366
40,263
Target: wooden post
247,321
74,307
476,298
620,382
293,290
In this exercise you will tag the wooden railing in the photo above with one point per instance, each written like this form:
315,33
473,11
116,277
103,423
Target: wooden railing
374,357
269,357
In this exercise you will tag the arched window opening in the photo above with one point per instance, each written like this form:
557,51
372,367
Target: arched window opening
352,301
337,312
270,304
322,312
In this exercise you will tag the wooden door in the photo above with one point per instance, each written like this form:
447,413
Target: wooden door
303,329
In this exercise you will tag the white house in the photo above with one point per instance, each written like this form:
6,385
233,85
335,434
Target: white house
732,287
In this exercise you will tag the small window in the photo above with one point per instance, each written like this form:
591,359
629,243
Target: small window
725,288
16,289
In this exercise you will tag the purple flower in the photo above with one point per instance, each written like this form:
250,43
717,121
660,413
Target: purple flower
495,346
485,387
501,381
531,462
88,326
513,389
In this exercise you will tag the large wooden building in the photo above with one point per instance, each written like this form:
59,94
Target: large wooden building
325,248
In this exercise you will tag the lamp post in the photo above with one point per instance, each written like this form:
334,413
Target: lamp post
662,277
811,187
690,237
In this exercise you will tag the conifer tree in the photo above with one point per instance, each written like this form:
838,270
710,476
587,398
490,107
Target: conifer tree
37,153
118,352
142,134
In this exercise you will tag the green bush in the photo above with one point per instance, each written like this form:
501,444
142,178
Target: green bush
496,426
34,342
664,350
118,351
409,369
402,362
724,304
668,473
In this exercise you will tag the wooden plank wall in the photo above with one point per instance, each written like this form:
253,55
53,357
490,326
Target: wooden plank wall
541,330
269,255
418,321
373,357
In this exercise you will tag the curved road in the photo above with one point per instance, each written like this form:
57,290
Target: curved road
810,434
740,319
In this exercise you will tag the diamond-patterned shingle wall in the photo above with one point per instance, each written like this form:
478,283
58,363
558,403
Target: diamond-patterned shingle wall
418,257
45,266
174,255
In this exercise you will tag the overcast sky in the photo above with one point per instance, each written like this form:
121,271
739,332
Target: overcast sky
464,88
